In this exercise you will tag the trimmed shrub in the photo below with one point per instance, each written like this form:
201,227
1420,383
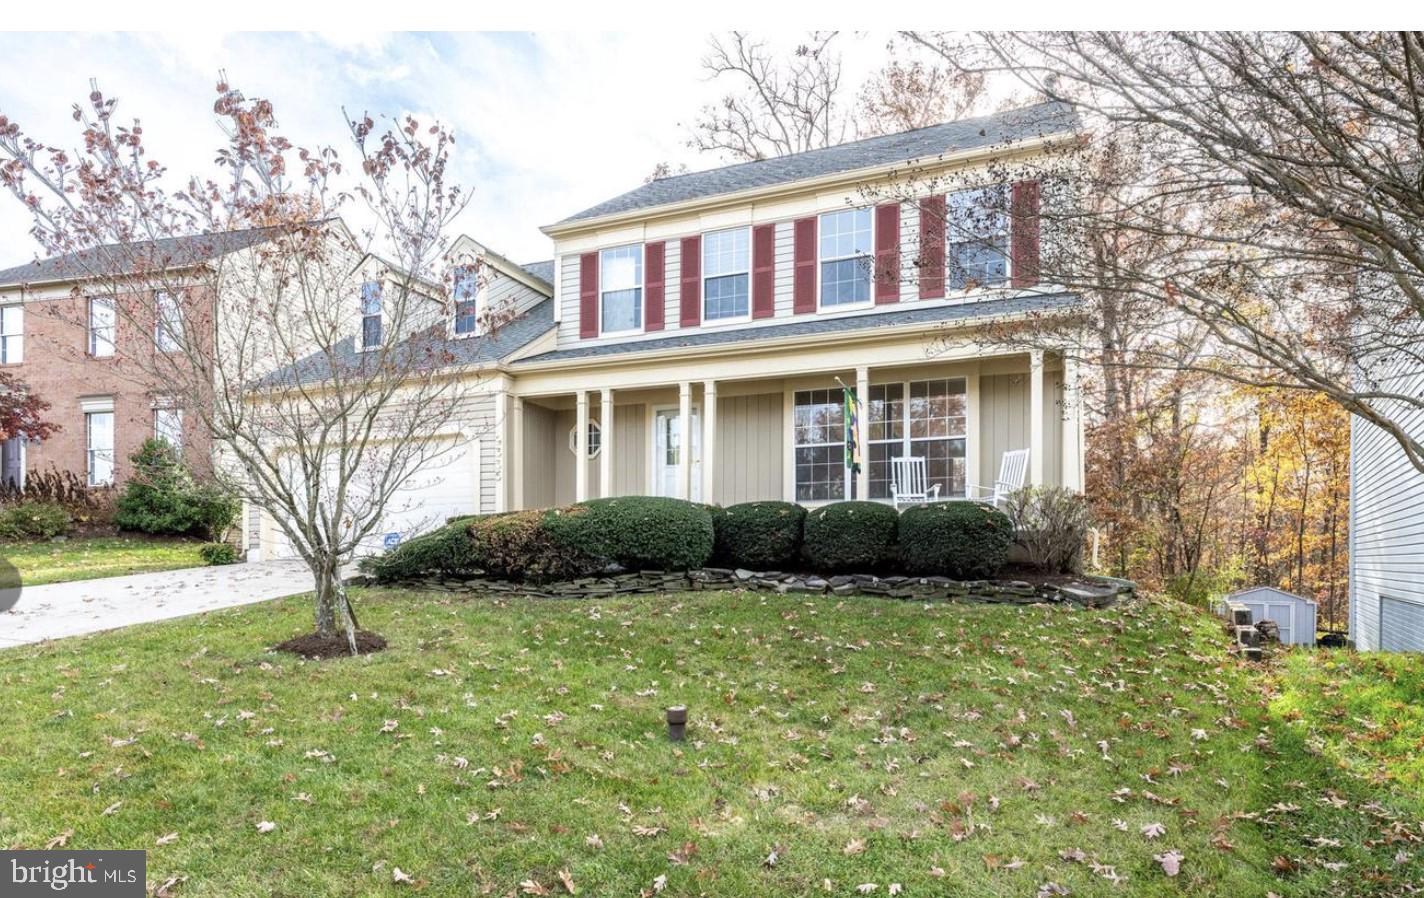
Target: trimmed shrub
964,540
1051,523
34,520
163,498
759,535
218,553
519,546
847,536
446,551
637,532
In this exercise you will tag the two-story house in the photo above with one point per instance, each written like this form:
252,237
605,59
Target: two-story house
707,325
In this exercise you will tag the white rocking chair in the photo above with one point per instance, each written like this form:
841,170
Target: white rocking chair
909,484
1013,471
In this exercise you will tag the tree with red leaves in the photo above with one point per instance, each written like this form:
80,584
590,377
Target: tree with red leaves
22,412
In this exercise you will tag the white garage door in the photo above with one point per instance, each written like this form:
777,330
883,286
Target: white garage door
445,487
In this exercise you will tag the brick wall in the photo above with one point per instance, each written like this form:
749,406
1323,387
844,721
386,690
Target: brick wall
57,366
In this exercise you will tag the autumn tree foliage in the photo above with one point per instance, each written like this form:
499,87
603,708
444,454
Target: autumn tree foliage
22,412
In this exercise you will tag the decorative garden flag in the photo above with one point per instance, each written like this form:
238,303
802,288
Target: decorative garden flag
852,431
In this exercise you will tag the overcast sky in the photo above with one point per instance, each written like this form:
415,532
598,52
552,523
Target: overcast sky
546,124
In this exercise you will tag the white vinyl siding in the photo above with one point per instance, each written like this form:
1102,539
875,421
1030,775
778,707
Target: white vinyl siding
1386,526
12,334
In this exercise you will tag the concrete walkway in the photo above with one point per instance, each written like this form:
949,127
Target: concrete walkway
88,606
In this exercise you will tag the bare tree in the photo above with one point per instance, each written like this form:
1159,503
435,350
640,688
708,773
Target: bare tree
909,92
316,366
1286,169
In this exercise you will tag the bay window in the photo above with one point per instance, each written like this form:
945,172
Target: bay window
845,254
726,274
466,292
977,238
930,424
620,282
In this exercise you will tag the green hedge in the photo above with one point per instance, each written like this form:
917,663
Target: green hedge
851,536
218,553
162,497
518,546
637,532
964,540
34,520
446,551
759,535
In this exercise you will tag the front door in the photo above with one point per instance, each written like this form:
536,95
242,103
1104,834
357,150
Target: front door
12,462
667,438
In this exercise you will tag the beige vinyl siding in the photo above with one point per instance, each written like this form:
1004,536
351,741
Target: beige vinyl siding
1004,422
749,448
785,268
1386,527
672,289
630,450
909,251
505,296
539,456
477,418
569,301
564,470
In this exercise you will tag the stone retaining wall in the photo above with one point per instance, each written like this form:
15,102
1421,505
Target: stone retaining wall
1090,592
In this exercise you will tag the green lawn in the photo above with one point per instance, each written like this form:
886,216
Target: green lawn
85,558
501,746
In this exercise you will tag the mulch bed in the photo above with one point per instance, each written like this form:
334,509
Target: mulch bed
320,647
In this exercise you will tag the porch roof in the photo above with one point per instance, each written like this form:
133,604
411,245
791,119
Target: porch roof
811,326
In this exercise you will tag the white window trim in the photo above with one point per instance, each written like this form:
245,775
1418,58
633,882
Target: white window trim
845,306
654,463
791,442
455,301
593,426
702,265
89,449
642,292
113,328
159,328
17,338
361,309
907,441
169,407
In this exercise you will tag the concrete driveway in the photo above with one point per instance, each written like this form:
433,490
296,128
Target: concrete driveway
88,606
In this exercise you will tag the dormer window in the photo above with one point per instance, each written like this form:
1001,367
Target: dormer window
621,287
726,274
845,257
977,238
466,290
370,315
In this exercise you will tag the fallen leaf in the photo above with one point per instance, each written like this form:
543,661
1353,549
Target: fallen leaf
1171,862
266,826
568,880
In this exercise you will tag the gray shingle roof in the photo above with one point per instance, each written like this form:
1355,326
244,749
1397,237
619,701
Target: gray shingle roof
814,326
922,144
454,352
544,270
125,258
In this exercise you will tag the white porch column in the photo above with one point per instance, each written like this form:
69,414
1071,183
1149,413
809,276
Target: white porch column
502,422
1072,476
709,440
1036,446
973,470
605,452
684,439
581,448
862,436
516,453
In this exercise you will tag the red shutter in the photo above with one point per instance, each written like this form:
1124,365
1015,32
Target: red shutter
656,292
588,295
691,281
803,291
932,210
887,253
1024,234
763,271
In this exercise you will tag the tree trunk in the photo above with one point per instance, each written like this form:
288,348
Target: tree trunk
333,607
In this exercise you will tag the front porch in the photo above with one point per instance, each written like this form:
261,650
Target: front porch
775,430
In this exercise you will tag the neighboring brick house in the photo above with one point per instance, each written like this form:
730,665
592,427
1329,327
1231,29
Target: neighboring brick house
73,349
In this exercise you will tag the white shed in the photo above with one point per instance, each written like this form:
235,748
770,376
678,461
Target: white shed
1293,614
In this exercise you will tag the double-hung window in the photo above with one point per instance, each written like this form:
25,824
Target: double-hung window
930,425
102,323
12,334
99,428
726,274
170,321
977,238
370,314
818,426
846,253
620,280
168,426
467,290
